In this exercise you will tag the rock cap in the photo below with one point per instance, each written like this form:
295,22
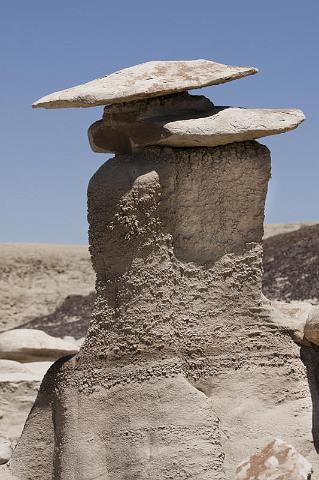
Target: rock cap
150,79
119,133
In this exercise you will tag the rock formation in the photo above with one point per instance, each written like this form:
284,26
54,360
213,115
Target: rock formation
29,345
151,79
176,224
36,279
19,384
277,461
291,265
5,450
183,120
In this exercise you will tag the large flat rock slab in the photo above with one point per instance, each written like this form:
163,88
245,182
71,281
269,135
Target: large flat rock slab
150,79
228,125
222,126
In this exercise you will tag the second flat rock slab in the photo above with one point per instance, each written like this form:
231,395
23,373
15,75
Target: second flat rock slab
150,79
228,125
225,125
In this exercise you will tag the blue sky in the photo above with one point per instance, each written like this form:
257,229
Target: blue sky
46,46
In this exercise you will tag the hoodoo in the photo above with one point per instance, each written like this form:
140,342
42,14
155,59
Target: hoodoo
176,225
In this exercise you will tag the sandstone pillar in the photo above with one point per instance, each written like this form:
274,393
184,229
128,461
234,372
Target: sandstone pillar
175,239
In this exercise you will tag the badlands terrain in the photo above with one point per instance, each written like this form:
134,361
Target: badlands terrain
51,288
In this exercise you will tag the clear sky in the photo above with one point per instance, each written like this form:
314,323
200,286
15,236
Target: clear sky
46,46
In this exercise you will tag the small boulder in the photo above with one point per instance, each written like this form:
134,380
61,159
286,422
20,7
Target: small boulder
312,326
277,461
28,345
5,450
293,318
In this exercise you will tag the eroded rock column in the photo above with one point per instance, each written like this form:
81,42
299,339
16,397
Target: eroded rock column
175,239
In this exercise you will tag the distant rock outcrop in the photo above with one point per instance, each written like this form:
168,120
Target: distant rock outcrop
291,265
35,279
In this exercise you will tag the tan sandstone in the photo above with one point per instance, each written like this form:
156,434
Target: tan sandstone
126,128
150,79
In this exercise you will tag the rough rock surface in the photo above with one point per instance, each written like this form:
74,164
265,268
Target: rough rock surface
35,279
185,121
27,345
142,120
243,400
179,329
277,461
150,79
179,105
